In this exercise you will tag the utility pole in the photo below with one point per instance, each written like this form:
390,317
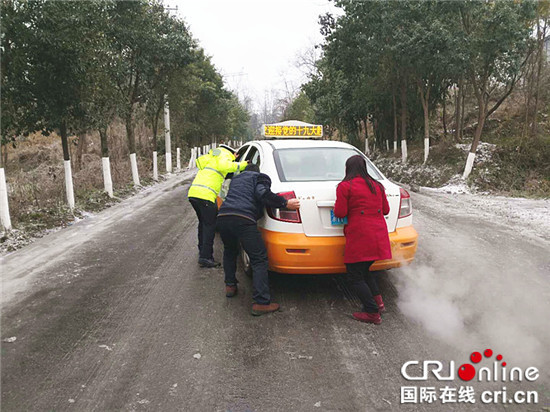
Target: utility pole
167,142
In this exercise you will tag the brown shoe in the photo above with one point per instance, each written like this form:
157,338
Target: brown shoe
258,310
230,290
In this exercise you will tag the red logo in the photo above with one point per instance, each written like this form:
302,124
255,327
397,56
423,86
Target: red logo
467,372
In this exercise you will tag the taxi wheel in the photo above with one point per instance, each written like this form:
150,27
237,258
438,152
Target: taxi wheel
246,263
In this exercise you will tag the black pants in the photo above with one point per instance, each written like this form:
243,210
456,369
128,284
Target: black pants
235,230
364,284
206,212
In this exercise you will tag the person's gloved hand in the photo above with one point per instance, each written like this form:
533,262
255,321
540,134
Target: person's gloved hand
293,204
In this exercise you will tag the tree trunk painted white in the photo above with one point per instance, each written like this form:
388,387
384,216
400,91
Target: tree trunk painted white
395,146
178,159
167,142
367,150
155,166
469,165
426,149
387,145
107,181
404,151
69,184
135,174
4,208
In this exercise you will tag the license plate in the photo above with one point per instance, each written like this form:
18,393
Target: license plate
335,221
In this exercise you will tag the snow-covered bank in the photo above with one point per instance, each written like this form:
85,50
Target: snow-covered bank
15,239
507,169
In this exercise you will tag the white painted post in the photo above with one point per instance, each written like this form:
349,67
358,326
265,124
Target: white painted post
167,142
155,166
404,151
469,165
367,150
107,181
387,145
135,174
178,160
4,208
191,158
426,149
69,183
395,146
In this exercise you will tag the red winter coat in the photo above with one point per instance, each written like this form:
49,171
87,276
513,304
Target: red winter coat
366,232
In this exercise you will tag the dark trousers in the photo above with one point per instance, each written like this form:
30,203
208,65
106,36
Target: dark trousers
206,212
364,284
235,230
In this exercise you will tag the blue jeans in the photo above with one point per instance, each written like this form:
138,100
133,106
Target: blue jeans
235,230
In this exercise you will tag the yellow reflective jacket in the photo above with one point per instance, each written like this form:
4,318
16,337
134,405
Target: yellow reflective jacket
213,167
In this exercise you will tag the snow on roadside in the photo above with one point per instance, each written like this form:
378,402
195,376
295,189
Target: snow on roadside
484,152
15,239
456,185
530,216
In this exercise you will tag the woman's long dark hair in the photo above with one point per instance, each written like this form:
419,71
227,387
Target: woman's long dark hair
356,166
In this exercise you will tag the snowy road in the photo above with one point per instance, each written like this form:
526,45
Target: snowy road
114,314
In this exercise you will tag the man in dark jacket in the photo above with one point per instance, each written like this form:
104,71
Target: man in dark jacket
248,193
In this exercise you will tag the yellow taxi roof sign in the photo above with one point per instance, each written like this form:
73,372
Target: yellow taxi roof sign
292,129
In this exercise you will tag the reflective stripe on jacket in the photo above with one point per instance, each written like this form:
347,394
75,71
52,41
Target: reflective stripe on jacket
213,167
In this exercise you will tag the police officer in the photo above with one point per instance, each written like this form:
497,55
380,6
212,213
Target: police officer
213,167
248,193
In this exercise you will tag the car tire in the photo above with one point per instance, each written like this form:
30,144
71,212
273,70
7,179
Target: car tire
245,260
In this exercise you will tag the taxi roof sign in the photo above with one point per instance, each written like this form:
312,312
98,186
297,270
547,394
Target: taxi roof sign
293,129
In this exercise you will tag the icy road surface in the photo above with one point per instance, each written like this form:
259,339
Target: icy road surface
113,313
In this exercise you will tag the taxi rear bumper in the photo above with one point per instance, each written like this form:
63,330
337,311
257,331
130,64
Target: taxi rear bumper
300,254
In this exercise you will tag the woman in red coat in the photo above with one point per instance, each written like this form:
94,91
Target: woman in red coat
363,200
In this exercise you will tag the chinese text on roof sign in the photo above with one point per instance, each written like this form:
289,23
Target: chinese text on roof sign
277,130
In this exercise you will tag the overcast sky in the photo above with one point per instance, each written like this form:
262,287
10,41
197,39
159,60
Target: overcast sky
255,43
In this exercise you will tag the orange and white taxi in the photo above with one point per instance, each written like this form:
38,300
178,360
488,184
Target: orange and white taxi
311,240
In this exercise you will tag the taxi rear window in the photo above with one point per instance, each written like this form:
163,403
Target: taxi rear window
316,164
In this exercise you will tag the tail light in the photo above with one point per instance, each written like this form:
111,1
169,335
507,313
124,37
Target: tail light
405,206
285,215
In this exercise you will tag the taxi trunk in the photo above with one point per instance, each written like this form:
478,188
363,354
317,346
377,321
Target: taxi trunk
307,242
